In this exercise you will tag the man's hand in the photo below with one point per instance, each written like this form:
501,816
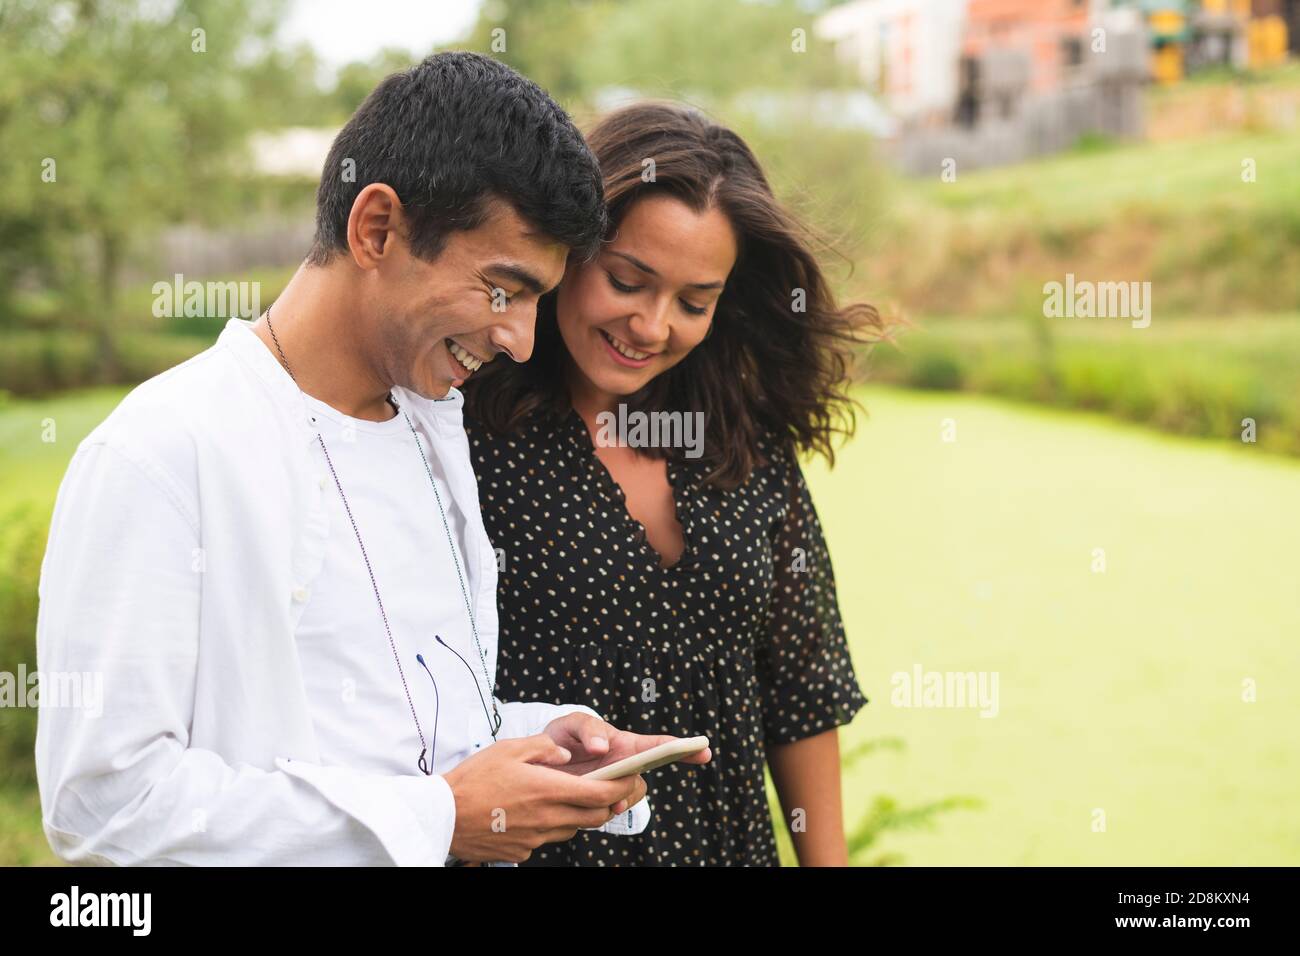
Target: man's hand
511,798
595,743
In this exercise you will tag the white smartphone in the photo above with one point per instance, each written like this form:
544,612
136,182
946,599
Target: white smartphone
649,759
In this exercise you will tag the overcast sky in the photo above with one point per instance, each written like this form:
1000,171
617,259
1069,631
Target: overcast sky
345,30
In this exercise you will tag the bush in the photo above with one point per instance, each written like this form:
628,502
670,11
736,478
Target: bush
1189,377
937,371
40,363
22,545
37,362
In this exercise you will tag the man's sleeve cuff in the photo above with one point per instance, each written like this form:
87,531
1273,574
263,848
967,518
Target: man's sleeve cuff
434,806
630,822
526,718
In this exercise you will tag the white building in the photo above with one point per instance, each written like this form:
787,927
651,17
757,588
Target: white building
906,51
295,151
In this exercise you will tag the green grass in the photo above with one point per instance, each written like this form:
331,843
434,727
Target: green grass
1175,213
1118,690
22,842
31,467
1087,185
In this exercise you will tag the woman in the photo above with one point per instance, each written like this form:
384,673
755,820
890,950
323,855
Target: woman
683,590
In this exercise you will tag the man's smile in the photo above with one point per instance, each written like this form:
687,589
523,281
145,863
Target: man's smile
463,360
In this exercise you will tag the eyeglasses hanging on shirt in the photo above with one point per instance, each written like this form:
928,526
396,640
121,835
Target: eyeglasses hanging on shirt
426,764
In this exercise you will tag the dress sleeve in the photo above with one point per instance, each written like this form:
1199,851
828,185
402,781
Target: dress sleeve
804,667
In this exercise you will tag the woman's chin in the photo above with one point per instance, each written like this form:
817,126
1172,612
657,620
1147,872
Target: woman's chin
616,381
624,386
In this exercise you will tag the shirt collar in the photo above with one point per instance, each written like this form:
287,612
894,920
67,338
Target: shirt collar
239,337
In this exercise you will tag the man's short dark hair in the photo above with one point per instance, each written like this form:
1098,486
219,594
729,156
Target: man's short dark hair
449,136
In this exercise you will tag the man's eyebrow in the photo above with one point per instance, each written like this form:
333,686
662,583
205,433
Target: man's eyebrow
645,268
518,274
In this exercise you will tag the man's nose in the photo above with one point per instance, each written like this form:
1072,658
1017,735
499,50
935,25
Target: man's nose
515,337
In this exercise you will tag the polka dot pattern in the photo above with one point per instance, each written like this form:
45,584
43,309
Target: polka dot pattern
740,640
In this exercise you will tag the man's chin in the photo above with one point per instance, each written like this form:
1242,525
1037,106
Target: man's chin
433,391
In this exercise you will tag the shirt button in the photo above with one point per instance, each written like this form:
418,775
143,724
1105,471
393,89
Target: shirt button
300,594
321,481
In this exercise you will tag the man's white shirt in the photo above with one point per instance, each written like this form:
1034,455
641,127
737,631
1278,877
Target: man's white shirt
355,688
200,563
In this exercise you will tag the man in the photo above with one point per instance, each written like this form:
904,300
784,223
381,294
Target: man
273,553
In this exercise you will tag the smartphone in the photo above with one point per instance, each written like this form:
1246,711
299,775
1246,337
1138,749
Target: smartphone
665,753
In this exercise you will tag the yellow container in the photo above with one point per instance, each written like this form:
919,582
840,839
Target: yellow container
1167,63
1266,42
1165,22
1240,7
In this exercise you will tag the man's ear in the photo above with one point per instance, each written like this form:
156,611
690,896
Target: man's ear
374,224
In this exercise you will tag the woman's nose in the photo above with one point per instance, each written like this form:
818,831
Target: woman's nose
650,326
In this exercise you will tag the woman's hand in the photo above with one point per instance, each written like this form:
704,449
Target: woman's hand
594,743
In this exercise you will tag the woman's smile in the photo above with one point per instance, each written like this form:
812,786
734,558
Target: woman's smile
623,354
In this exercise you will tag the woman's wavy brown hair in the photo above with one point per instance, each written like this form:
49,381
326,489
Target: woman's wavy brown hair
765,369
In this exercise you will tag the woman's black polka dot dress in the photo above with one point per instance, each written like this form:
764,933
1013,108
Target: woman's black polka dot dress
741,640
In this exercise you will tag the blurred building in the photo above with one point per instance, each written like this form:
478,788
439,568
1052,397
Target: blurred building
259,239
1268,27
1036,44
987,82
905,51
1036,77
1190,35
296,151
1291,21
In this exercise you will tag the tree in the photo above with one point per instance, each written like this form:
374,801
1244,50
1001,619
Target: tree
658,47
546,40
117,116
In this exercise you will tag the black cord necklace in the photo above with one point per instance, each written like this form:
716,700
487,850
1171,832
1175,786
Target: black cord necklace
425,761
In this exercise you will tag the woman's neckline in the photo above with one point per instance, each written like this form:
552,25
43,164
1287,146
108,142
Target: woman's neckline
578,432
